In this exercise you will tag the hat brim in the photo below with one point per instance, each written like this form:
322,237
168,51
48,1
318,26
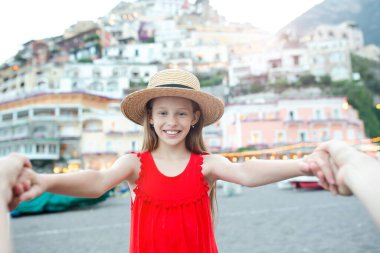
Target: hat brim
133,105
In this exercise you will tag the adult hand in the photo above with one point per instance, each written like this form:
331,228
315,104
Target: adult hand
10,169
357,173
319,164
344,160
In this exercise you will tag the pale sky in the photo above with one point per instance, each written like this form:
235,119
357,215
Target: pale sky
24,20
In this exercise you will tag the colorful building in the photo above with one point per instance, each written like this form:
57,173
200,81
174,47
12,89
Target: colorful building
285,122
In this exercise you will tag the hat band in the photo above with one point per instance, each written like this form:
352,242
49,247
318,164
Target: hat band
175,86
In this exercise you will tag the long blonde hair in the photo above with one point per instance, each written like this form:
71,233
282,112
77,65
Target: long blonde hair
194,142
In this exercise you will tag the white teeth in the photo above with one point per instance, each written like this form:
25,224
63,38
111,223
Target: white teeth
172,132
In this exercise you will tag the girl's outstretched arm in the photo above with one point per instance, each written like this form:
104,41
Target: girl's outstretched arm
85,183
257,172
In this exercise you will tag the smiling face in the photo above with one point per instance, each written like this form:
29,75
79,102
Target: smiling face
172,118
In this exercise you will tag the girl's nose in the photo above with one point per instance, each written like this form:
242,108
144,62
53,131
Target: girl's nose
172,121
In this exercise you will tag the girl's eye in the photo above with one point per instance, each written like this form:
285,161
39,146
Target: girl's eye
162,113
182,114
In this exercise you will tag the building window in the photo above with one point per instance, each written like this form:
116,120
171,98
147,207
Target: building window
28,148
255,137
95,86
133,146
44,112
296,60
336,113
40,148
338,135
52,149
7,117
112,86
275,63
318,114
291,115
280,136
109,146
69,112
302,136
323,135
350,134
22,114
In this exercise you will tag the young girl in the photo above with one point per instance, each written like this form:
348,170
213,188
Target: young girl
173,179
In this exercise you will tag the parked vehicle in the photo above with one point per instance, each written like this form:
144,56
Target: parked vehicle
301,182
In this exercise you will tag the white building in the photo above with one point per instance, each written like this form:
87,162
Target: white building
273,65
329,49
106,78
144,53
371,52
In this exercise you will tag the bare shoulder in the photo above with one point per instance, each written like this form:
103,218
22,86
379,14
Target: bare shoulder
127,161
213,159
212,162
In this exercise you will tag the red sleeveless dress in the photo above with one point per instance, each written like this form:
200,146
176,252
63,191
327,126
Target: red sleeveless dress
171,214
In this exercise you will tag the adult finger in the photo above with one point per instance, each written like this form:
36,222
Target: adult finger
14,203
32,193
324,185
333,187
316,170
322,159
17,189
342,189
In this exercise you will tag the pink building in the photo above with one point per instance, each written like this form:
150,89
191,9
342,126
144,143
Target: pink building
284,122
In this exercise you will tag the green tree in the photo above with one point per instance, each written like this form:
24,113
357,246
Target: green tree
361,98
325,80
369,72
307,79
212,79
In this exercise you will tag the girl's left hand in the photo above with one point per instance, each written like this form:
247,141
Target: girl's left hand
319,165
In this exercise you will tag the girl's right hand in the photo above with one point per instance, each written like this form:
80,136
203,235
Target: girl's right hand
30,185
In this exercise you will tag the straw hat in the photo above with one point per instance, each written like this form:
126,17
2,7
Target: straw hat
177,83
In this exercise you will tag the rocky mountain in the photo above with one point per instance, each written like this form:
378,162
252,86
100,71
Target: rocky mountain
365,13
